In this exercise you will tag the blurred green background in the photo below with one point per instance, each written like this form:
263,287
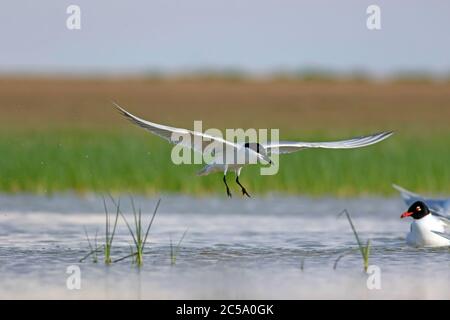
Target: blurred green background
60,134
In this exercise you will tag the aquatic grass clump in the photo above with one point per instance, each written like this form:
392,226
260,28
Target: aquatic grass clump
364,250
174,250
109,237
137,233
94,249
109,234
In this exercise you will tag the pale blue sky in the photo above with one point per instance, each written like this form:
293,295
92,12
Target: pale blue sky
254,35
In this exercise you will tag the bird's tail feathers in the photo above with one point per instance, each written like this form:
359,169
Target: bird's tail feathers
207,170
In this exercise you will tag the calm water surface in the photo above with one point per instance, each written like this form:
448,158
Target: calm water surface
273,247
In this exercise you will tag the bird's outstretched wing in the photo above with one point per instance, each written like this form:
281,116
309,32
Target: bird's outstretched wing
440,207
184,137
292,146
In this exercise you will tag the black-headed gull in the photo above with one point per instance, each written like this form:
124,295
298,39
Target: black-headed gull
427,229
223,161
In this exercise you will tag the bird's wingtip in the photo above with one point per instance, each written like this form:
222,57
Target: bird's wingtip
402,190
386,134
121,110
116,105
383,135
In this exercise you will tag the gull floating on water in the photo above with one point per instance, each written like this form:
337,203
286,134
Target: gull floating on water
223,162
427,229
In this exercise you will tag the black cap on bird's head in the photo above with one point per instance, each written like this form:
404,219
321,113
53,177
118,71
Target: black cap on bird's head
417,210
259,149
254,146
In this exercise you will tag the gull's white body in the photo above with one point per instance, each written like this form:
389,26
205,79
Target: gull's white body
428,231
232,159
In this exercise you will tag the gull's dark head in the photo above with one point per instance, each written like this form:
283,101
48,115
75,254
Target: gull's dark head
417,210
254,146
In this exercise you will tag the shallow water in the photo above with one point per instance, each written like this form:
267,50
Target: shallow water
273,247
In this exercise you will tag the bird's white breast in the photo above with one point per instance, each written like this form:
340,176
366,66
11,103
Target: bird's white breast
421,233
236,157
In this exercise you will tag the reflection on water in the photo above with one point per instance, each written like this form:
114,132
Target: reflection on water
274,247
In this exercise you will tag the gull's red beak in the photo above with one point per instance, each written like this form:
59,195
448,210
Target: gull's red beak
406,214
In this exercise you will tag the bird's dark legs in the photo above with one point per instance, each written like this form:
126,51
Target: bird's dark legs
244,192
226,184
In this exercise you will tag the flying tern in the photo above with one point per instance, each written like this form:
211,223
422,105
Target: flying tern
225,161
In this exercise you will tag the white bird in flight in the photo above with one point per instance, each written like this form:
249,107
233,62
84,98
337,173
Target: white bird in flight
251,152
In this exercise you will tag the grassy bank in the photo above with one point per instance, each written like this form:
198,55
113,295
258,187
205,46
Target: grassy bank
53,160
103,152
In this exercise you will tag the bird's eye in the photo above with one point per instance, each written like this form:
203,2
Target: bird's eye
419,209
